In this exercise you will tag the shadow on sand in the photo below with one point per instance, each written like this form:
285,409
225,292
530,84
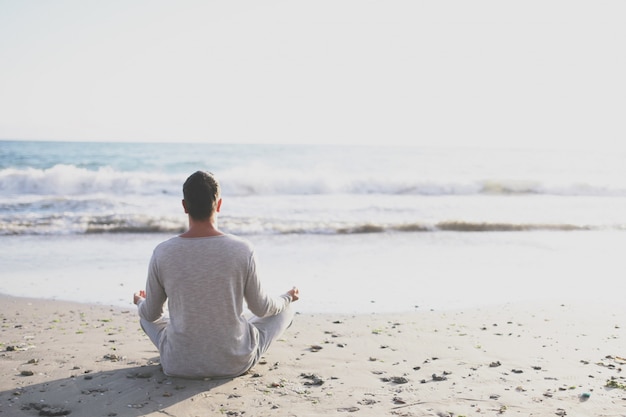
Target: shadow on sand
133,391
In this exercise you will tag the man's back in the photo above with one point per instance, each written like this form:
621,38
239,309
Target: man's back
205,281
205,276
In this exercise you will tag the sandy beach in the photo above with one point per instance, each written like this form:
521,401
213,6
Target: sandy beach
63,358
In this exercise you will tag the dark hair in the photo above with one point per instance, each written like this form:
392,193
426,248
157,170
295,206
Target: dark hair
201,192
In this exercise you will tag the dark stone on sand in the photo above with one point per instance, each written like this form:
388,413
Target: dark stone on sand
313,380
112,357
11,349
396,379
47,410
27,373
348,409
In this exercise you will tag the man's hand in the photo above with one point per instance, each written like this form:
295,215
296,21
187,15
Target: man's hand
139,297
294,293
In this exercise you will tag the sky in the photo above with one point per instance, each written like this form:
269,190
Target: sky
484,73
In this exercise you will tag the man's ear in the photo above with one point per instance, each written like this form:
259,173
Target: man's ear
185,207
219,205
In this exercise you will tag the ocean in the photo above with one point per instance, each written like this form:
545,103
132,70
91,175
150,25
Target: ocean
359,229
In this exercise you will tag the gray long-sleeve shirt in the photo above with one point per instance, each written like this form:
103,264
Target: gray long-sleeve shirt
205,281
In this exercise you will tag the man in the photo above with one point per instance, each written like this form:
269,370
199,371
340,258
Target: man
205,276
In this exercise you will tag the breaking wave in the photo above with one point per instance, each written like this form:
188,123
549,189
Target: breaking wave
70,180
76,224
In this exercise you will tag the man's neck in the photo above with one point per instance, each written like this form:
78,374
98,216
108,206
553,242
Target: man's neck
202,228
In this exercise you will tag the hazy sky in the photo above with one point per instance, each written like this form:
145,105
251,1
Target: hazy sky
423,72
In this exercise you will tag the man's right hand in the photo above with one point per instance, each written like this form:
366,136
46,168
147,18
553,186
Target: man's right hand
294,293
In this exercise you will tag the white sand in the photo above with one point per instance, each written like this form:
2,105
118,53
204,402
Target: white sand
552,359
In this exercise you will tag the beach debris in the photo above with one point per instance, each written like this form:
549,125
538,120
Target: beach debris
439,378
368,401
313,380
94,390
618,359
560,412
612,383
494,364
348,409
585,396
113,357
517,371
395,379
47,410
315,348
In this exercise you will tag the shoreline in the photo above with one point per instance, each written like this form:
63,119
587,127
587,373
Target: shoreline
66,358
382,273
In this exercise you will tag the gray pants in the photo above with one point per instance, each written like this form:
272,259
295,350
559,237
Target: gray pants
269,328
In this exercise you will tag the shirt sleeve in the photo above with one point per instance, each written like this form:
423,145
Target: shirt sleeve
151,308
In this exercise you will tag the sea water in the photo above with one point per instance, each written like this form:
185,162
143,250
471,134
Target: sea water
356,228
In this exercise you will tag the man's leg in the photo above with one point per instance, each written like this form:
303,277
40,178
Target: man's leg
155,329
270,328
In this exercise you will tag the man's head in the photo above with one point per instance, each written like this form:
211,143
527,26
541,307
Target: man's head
201,194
